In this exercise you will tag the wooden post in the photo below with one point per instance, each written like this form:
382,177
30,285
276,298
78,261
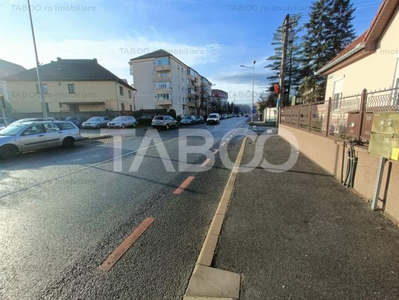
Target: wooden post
328,116
362,110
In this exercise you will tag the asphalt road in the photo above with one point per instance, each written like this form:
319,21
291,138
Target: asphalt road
63,211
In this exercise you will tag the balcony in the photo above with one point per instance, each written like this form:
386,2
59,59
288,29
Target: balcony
163,68
163,91
165,103
191,104
163,79
191,77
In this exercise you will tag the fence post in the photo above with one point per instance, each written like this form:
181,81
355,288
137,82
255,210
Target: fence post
298,116
328,116
310,117
363,99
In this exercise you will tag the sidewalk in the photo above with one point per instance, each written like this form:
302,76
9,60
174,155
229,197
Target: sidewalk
302,235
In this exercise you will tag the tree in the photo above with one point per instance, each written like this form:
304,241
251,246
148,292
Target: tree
267,99
328,32
292,70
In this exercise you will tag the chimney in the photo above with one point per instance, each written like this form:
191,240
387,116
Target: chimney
95,60
58,58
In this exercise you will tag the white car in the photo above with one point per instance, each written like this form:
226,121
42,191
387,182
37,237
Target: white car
122,122
213,118
27,136
96,122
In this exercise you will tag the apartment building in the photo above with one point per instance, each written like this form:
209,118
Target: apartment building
163,81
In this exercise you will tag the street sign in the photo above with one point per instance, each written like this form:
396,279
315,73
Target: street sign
253,110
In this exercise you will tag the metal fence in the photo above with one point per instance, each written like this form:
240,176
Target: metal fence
331,117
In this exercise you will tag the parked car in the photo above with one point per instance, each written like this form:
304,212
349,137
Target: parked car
27,136
122,122
223,116
199,119
77,120
96,122
165,122
145,120
213,118
188,120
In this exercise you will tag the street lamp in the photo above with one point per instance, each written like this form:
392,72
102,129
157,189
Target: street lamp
253,72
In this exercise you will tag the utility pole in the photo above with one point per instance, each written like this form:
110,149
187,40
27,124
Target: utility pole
280,99
39,80
283,58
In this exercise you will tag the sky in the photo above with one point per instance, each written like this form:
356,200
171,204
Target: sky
212,37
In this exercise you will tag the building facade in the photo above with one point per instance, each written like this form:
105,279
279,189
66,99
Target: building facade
163,81
219,100
371,61
70,85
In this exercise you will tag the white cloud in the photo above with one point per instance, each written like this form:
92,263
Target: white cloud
112,54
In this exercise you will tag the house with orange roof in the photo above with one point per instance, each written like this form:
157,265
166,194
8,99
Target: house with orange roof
371,61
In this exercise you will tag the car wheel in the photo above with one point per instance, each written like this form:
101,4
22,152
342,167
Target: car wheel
134,125
123,126
8,151
68,142
98,126
167,126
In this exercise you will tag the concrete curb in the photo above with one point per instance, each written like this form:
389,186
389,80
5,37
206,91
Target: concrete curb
207,282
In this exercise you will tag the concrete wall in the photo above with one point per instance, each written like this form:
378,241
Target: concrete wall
143,78
328,154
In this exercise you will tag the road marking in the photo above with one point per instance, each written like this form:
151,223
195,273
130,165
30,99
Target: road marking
126,244
216,151
224,143
205,162
184,185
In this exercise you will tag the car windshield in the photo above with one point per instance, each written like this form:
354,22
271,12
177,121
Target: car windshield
94,119
119,118
212,116
158,118
11,130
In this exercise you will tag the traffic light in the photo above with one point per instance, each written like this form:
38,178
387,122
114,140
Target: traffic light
3,102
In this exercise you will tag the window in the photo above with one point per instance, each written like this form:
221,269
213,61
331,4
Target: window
162,85
161,97
162,61
34,129
71,88
337,101
44,86
337,93
121,90
129,92
123,106
131,107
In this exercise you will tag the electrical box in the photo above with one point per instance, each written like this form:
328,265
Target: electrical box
386,122
384,140
353,123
